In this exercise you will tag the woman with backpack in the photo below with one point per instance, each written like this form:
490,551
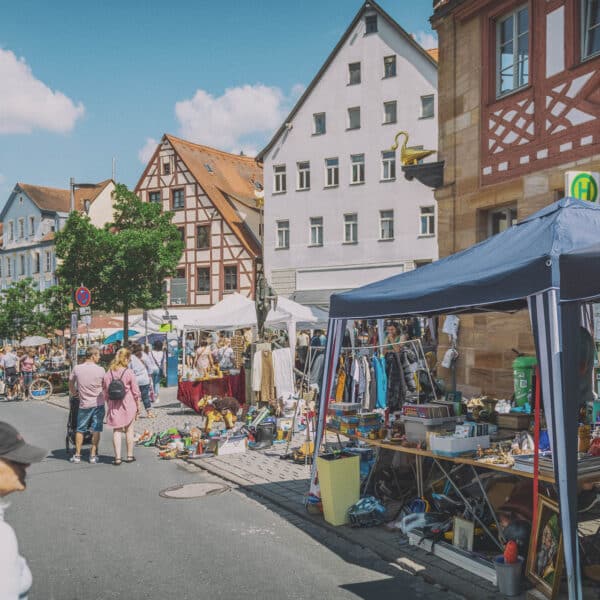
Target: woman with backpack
123,400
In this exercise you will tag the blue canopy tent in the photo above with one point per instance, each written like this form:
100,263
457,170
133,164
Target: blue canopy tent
536,264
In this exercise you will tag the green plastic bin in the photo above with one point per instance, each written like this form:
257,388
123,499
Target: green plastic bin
523,369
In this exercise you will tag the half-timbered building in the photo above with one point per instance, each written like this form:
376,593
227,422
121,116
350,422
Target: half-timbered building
213,196
519,106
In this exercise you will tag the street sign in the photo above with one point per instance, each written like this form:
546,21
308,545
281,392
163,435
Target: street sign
582,185
86,319
74,324
83,297
85,311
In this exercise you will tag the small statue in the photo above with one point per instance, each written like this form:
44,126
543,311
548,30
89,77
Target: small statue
266,298
409,156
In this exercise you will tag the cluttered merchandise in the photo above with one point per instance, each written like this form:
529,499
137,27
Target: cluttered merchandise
468,479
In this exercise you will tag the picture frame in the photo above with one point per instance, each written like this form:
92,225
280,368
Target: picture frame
463,534
545,559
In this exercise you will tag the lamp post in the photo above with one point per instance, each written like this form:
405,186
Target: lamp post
73,185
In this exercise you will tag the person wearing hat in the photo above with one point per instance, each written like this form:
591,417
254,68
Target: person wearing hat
15,456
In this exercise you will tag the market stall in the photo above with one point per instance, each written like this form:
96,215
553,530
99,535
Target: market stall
191,392
534,265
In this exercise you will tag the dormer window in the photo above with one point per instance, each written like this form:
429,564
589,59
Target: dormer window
166,167
208,168
371,24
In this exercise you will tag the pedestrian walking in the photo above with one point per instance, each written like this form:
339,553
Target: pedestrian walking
123,400
140,369
15,456
86,383
27,364
157,358
10,362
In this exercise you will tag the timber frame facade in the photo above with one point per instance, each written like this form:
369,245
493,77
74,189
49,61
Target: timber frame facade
508,145
213,197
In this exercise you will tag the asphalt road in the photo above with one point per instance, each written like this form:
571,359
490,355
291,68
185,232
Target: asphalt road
98,532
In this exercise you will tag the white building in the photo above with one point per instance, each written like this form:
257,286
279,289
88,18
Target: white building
338,211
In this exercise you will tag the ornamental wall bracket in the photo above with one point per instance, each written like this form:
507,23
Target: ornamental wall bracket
429,174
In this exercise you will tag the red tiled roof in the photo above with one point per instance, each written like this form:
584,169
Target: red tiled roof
231,176
59,200
434,53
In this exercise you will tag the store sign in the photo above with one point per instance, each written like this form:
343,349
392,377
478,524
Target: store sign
583,185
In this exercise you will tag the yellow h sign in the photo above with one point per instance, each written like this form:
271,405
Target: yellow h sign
582,185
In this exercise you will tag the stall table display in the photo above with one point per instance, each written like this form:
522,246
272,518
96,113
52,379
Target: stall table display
191,392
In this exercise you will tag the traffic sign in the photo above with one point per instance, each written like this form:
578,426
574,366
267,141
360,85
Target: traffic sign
582,185
85,311
83,296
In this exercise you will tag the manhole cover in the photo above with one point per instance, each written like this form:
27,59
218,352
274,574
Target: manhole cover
193,490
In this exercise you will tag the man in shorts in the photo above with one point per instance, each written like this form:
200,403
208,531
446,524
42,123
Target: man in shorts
86,383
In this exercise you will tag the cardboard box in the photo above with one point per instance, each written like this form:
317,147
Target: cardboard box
236,444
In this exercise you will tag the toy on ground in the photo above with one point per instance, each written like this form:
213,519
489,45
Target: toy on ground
217,409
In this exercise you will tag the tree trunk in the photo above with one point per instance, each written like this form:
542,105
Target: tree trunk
125,323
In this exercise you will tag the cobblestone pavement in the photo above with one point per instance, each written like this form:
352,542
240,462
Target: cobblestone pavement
282,485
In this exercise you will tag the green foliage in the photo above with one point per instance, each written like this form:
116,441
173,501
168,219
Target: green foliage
125,263
57,314
21,311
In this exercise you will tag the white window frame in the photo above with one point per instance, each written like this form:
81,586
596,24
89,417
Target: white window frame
21,229
353,110
510,214
282,234
22,264
372,19
586,27
388,165
357,169
392,61
32,226
228,289
316,120
315,232
11,231
279,179
332,172
386,225
303,175
8,266
351,228
179,206
48,262
350,71
150,196
427,221
517,68
36,263
423,114
390,104
207,269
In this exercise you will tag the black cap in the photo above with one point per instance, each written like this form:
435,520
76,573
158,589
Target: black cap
13,446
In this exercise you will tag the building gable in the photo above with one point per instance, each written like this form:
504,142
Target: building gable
356,28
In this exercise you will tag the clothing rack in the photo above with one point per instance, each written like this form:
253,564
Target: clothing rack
417,345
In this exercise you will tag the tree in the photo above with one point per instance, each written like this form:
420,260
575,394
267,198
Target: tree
20,311
57,313
125,263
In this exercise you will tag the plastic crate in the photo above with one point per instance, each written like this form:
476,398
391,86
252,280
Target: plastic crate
447,445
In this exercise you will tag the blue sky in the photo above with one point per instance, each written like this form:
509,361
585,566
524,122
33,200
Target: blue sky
81,82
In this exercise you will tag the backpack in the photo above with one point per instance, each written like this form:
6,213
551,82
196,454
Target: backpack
116,387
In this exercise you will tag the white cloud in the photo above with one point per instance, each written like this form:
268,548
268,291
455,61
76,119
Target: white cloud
426,39
240,119
147,150
27,103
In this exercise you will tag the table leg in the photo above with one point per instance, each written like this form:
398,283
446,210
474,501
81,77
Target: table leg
419,470
487,501
468,505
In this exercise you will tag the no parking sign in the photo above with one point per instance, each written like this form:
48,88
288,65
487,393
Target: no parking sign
83,296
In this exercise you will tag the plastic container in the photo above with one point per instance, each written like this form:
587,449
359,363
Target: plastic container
339,480
508,576
523,368
451,446
416,428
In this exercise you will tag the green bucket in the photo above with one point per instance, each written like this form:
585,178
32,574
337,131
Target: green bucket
523,369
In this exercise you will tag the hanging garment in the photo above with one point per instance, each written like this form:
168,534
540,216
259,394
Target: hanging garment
284,375
315,377
256,371
267,381
372,387
366,369
395,380
410,365
381,377
340,387
355,379
237,345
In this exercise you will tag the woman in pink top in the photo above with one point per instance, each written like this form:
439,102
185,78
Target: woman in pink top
122,413
27,368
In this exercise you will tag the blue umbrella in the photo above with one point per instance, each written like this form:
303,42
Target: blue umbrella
118,336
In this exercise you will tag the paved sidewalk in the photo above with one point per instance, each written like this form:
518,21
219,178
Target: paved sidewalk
281,483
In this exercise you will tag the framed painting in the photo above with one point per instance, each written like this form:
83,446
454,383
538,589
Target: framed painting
545,558
463,534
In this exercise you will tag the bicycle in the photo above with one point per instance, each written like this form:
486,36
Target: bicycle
40,388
